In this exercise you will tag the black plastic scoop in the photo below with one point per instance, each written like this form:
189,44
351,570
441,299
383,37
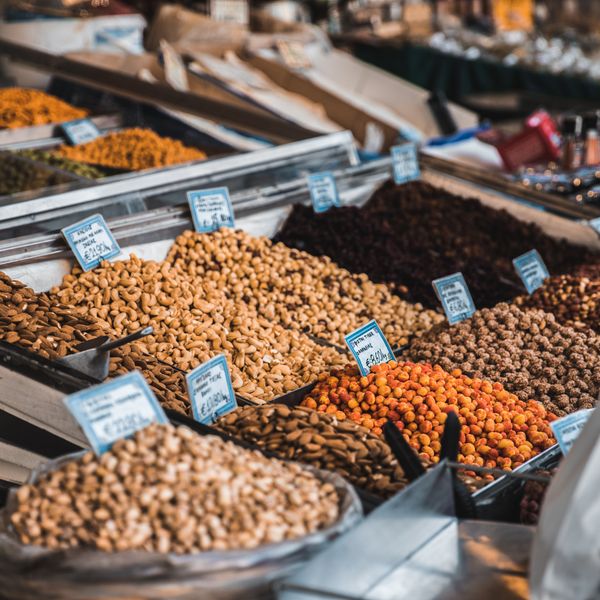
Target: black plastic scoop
93,356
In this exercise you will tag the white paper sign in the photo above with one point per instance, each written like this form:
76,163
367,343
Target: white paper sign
91,241
210,390
211,209
111,411
369,346
567,429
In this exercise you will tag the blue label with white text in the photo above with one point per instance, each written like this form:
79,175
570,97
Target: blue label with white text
455,297
595,224
80,131
114,410
531,269
567,429
405,162
323,191
210,390
369,346
211,209
91,241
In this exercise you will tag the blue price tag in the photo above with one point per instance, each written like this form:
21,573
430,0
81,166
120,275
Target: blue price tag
211,209
405,162
323,191
210,390
531,269
369,346
455,297
567,429
111,411
80,131
595,224
91,241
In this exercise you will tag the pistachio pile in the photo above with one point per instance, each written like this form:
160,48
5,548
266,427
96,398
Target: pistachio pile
572,300
302,292
314,438
193,321
171,490
527,351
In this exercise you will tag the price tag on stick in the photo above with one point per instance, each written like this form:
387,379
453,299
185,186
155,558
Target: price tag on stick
323,191
455,297
567,429
211,209
531,269
405,162
80,131
91,241
114,410
210,390
369,346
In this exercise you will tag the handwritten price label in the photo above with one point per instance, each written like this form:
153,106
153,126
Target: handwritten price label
323,191
115,410
455,297
405,162
369,346
211,209
80,131
91,241
210,390
531,269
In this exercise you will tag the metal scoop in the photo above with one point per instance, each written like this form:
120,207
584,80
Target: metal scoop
93,356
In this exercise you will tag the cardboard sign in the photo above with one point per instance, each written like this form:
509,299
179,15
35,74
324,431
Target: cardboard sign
567,429
455,297
91,241
210,390
323,191
531,269
369,346
111,411
405,162
211,209
80,131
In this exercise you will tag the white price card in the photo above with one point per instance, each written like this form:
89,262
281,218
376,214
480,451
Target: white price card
595,224
91,241
531,269
567,429
323,191
210,390
405,162
80,131
211,209
111,411
369,346
455,297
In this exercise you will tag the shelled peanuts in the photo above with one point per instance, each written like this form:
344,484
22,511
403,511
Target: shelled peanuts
408,235
572,300
194,321
20,107
302,292
321,440
131,149
528,351
171,490
498,429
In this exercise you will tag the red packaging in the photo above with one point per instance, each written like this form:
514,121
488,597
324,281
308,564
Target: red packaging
539,142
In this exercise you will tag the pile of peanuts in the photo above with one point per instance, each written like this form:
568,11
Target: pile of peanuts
21,107
131,149
572,300
528,351
498,429
307,293
171,490
320,440
194,321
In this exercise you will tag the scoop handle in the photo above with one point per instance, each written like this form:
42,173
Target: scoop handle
132,337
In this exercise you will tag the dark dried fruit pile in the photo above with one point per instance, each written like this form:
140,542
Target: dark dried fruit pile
409,235
533,498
